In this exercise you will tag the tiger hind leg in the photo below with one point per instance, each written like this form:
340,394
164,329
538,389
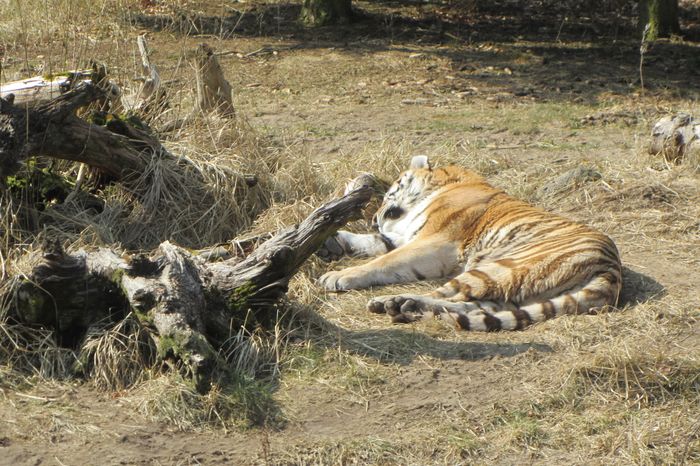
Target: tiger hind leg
470,315
599,292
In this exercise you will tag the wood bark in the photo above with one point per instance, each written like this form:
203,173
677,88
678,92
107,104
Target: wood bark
661,17
193,306
322,12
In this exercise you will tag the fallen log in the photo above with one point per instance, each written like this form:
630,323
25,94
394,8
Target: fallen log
52,129
120,149
191,305
37,89
42,88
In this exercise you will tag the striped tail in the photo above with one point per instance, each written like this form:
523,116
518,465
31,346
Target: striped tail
600,291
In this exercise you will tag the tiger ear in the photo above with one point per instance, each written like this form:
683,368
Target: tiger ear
420,161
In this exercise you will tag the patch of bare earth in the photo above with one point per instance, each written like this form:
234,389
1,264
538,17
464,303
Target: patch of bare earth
620,387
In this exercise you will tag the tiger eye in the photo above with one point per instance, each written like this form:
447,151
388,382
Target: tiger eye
393,213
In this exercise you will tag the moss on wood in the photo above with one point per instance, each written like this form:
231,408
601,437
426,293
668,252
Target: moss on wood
69,306
658,18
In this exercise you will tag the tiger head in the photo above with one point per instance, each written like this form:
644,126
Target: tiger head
404,194
412,193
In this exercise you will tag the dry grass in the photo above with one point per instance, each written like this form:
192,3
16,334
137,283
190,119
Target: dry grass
238,403
615,388
197,199
615,379
72,29
620,387
119,356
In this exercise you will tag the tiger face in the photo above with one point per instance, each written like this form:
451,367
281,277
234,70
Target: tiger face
398,219
510,264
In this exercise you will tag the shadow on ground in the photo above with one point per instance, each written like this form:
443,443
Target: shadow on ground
381,344
638,288
401,345
555,52
410,21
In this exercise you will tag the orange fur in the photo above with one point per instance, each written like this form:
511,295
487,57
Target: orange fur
512,264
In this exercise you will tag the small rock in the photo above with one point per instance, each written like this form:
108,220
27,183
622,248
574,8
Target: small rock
674,136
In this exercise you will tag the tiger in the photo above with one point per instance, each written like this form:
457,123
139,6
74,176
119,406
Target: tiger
509,264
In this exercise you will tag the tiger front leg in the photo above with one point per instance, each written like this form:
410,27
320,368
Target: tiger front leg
344,243
411,262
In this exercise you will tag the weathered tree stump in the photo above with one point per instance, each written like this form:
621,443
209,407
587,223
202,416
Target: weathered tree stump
214,93
213,90
192,305
675,137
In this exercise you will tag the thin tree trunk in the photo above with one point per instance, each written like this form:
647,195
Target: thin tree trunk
322,12
152,81
661,17
151,99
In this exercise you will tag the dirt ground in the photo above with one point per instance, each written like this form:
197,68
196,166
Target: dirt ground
521,101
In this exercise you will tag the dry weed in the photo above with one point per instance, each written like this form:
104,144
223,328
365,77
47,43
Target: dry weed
237,402
119,356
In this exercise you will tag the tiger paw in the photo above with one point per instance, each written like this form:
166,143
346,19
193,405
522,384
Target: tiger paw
340,281
402,309
331,250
